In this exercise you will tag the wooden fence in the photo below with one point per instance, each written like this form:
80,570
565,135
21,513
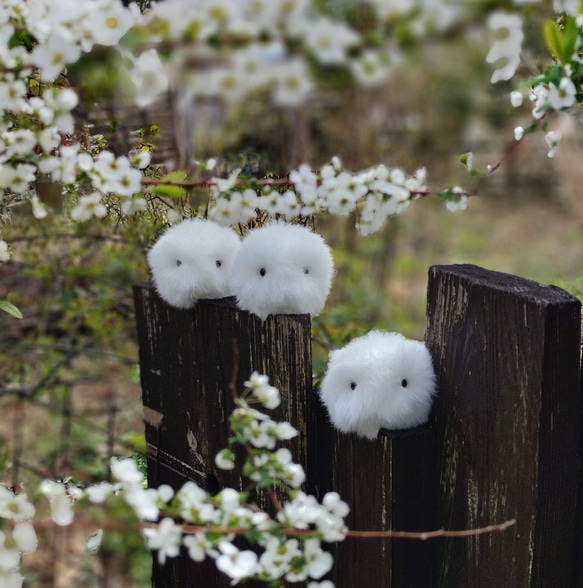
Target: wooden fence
504,439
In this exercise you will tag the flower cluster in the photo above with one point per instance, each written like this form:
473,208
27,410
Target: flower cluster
290,543
17,535
372,195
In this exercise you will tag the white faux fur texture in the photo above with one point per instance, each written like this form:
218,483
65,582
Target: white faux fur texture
282,269
379,380
192,260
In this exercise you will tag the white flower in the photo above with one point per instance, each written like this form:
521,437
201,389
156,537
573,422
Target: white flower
18,142
199,546
25,538
292,83
518,133
516,98
229,500
505,51
266,394
126,470
318,562
17,178
224,185
10,579
553,139
460,202
110,21
165,538
87,207
52,56
144,501
61,503
148,78
563,95
9,556
4,256
93,542
131,206
371,68
276,558
141,159
329,40
39,210
324,584
285,431
224,459
14,506
236,564
194,505
294,474
540,96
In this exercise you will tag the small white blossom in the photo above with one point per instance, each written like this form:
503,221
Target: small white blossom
563,95
505,51
87,207
292,84
516,98
518,133
60,501
329,40
126,470
224,459
199,546
236,564
15,506
266,394
93,542
553,138
165,538
148,77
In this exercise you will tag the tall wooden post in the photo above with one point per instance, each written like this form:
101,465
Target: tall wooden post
389,483
507,421
186,360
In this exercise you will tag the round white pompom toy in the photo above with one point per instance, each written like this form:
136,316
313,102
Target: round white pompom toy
379,381
192,260
282,269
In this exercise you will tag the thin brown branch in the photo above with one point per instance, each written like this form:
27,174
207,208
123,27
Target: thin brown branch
87,523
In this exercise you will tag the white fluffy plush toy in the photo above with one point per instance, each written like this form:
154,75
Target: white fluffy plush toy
282,269
379,381
192,260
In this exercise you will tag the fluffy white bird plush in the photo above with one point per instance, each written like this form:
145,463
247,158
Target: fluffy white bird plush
379,381
282,269
192,260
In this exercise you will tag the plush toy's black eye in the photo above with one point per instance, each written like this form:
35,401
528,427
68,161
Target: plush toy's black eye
352,385
306,270
178,263
262,272
404,383
218,262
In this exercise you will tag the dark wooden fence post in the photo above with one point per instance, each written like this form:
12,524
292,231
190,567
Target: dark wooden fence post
389,483
503,441
507,423
186,360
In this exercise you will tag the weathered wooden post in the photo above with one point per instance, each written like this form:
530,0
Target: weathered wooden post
186,359
507,423
389,483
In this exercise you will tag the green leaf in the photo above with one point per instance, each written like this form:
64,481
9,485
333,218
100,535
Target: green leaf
554,39
570,35
10,309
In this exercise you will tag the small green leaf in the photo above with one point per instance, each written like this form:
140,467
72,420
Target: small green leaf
167,190
570,35
10,309
554,39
